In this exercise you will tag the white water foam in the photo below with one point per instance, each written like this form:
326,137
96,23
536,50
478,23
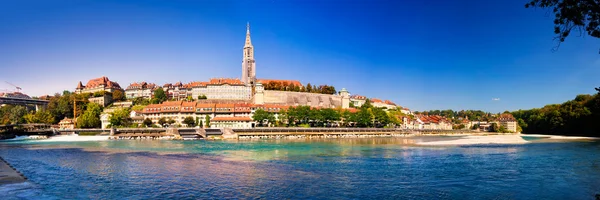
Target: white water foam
25,137
74,138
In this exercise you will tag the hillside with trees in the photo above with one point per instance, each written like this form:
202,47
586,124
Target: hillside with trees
284,86
579,116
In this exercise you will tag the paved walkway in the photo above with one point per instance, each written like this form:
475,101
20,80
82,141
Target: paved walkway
9,175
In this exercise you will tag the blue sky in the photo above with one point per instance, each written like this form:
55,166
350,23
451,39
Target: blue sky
420,54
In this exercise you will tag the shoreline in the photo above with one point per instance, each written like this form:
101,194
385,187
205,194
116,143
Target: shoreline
453,139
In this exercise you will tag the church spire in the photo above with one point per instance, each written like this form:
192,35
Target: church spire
248,63
248,41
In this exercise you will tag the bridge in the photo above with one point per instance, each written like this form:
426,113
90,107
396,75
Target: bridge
24,102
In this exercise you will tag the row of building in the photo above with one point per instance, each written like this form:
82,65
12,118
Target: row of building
238,114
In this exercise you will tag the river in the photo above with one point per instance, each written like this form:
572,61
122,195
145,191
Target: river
365,168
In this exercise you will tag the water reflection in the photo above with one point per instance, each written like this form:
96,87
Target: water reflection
360,168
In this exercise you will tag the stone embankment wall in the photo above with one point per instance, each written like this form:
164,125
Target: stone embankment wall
8,174
302,98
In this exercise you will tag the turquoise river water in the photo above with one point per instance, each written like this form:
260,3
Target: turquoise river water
366,168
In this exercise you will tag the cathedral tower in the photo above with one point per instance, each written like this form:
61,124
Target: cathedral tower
248,63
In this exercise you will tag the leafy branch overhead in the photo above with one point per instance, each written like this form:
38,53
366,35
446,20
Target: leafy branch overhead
569,15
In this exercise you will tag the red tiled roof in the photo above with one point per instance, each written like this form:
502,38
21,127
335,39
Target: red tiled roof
389,102
224,105
247,119
289,82
506,117
188,106
197,84
141,85
205,105
356,96
101,81
221,81
171,103
375,100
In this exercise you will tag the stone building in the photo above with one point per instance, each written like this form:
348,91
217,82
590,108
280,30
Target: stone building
220,114
358,100
141,89
98,84
508,121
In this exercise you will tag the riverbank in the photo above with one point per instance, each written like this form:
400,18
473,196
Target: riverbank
480,139
8,174
560,137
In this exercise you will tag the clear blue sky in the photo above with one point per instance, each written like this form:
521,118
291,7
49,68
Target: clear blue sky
420,54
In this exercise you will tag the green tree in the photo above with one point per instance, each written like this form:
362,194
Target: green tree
141,101
202,96
43,116
261,116
282,117
120,118
162,121
197,121
159,96
147,122
189,121
367,104
494,127
118,95
309,87
190,98
502,129
580,15
380,116
364,118
99,93
91,117
207,121
329,116
16,114
345,117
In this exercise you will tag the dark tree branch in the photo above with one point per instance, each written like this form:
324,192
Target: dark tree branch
581,15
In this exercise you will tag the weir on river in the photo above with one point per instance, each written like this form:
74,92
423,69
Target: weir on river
229,133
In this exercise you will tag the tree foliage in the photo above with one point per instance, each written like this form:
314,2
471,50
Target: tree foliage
141,101
43,116
11,114
147,122
189,121
569,15
575,117
120,118
91,117
285,86
159,96
61,105
162,121
118,95
261,116
207,121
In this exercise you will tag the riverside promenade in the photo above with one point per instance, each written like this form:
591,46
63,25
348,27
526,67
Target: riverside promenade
8,174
